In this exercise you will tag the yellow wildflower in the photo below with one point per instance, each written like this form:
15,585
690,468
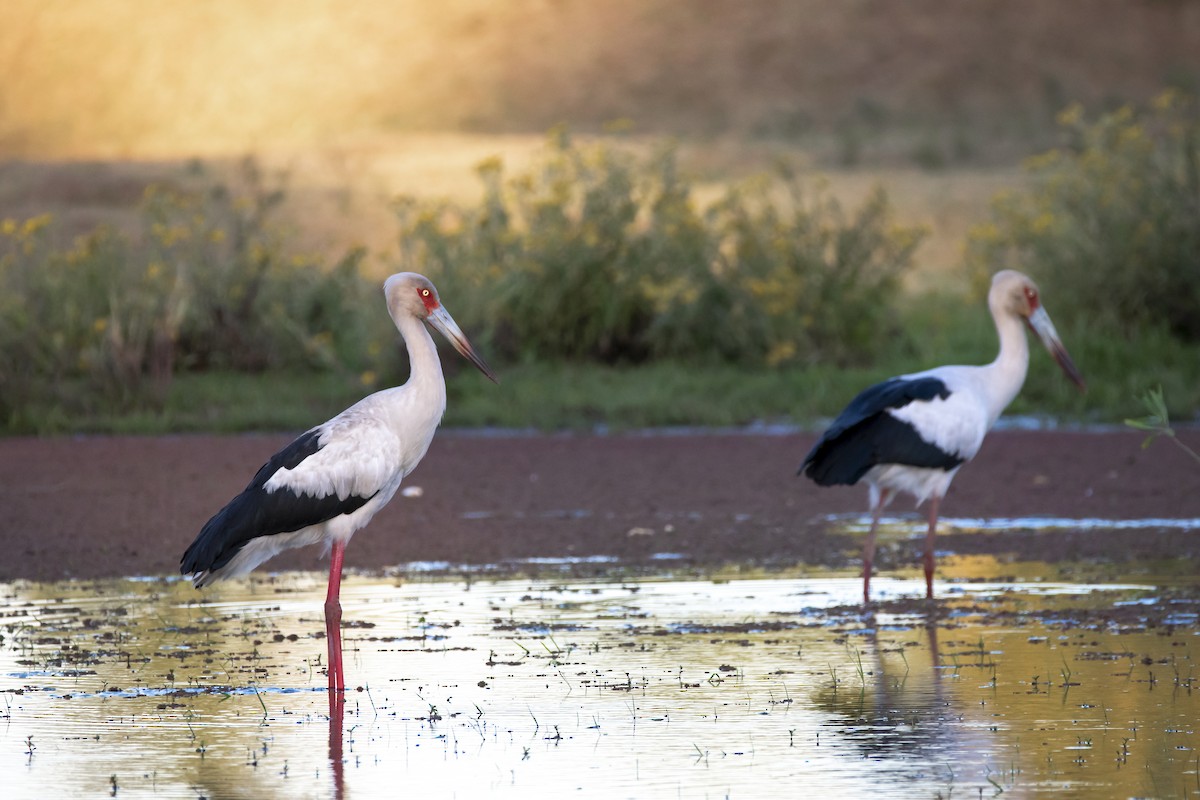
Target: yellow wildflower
780,353
1165,100
35,224
491,164
1071,115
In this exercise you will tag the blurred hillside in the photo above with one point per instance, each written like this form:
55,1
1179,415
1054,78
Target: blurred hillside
134,78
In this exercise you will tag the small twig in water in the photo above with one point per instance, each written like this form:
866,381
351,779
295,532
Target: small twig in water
1066,674
261,703
372,699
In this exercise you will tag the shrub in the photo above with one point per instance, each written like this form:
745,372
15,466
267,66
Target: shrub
821,282
250,303
599,254
92,312
552,264
1113,221
107,322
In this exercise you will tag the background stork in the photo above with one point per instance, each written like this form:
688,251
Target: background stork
913,433
333,479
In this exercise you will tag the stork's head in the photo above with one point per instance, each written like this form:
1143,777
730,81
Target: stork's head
1014,293
411,295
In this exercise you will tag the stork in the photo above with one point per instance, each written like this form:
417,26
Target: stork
334,478
912,433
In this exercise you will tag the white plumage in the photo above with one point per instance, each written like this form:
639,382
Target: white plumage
334,478
913,433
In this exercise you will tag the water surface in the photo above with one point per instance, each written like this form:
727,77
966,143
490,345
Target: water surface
705,686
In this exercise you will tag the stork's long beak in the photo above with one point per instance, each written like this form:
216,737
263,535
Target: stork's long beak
444,324
1039,322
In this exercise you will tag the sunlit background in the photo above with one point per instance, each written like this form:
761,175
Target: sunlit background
371,99
135,79
343,108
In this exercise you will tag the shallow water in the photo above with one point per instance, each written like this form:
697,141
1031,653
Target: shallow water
861,523
708,687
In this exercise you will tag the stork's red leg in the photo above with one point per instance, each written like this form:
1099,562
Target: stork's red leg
869,544
333,619
929,536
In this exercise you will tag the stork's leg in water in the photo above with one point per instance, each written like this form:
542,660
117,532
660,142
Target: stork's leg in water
333,619
929,536
869,544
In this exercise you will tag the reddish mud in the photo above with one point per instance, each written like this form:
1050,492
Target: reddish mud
96,507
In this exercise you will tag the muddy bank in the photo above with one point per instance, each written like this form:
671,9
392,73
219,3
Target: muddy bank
111,506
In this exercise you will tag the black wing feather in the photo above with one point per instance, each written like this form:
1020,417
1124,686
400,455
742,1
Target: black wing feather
256,512
864,435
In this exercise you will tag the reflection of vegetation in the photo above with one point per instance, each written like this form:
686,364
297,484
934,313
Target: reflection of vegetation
1157,422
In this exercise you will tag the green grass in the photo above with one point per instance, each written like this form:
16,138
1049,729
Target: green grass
218,402
552,397
557,396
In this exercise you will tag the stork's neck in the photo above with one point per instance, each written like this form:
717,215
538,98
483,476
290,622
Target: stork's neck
425,381
1005,375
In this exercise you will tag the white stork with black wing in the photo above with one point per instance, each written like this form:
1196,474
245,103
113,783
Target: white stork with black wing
912,433
334,478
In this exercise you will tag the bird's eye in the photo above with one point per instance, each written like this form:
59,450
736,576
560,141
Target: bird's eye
424,293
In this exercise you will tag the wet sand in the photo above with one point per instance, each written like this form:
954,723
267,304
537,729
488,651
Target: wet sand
94,507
